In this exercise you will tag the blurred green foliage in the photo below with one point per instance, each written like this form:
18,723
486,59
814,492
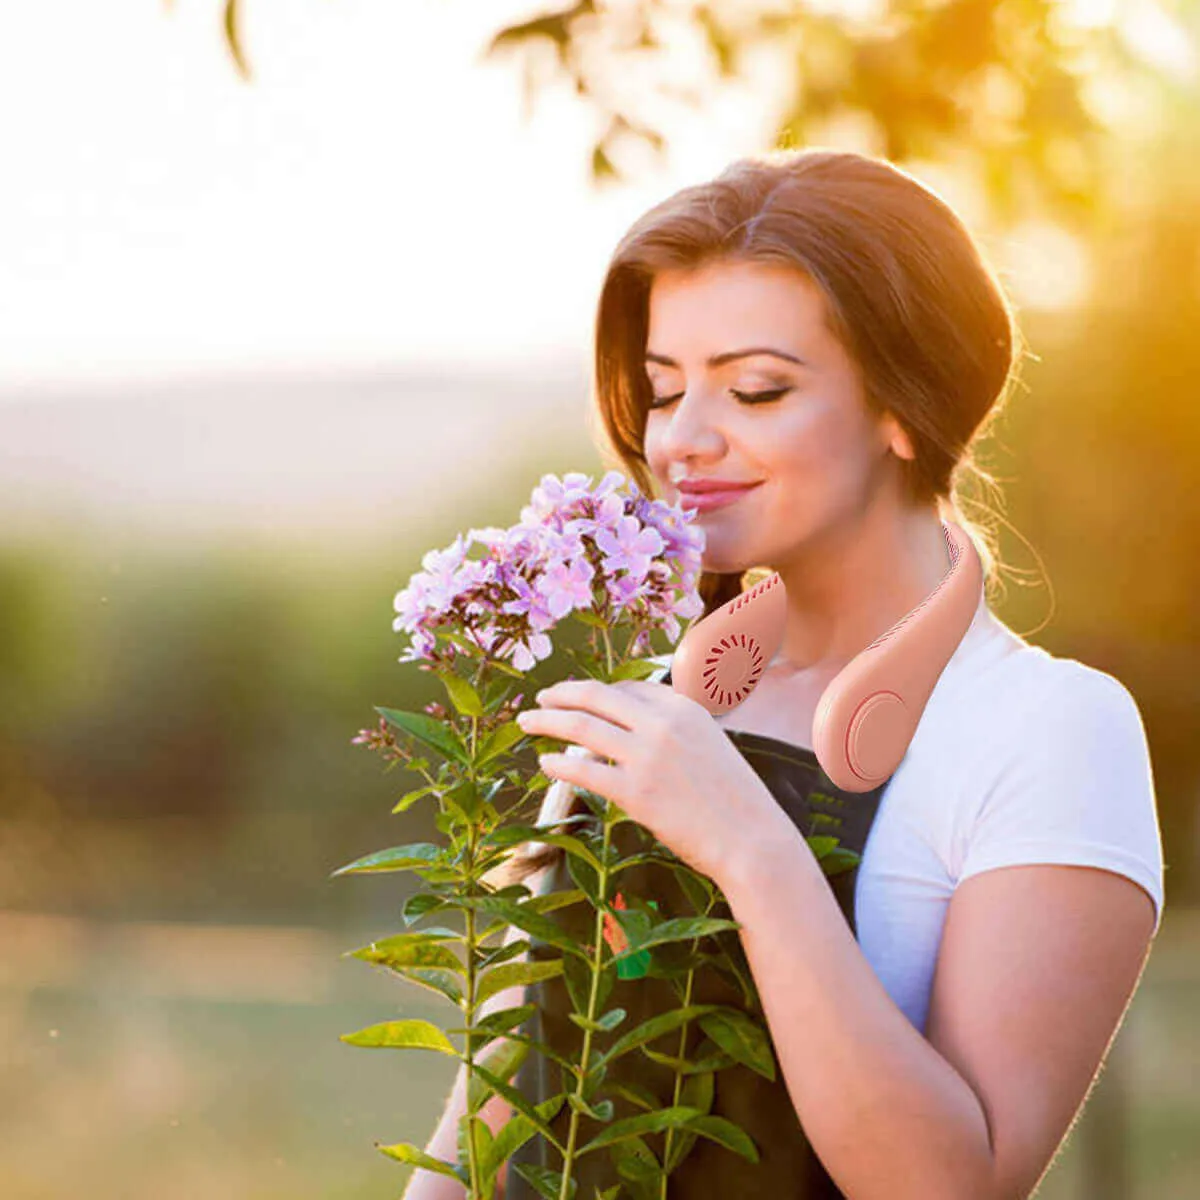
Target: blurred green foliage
1013,91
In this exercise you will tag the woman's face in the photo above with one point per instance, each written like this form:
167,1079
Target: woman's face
793,421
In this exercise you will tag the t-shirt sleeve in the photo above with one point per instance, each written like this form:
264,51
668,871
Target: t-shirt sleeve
1076,788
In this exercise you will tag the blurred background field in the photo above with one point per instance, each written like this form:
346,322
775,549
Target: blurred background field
263,344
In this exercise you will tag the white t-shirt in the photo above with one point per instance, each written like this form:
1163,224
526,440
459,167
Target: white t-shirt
1020,757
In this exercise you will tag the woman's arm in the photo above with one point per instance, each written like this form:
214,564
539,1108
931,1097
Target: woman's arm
1036,968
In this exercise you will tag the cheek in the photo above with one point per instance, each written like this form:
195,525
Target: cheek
814,441
823,452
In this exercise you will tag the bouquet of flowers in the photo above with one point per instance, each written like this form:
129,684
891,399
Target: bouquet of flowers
624,566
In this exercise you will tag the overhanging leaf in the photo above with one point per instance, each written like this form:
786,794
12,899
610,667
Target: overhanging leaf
502,738
529,920
513,974
727,1134
741,1038
429,731
408,1034
674,1117
413,1155
462,695
410,950
396,858
680,929
501,1062
654,1028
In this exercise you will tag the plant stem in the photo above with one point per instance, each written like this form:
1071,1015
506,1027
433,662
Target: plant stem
593,994
678,1092
469,946
469,1004
687,999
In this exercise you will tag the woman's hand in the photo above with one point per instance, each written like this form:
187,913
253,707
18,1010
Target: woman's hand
673,768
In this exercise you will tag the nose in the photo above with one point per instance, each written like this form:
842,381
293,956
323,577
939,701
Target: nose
690,431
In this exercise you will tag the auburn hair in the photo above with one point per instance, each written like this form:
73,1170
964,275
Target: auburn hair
907,291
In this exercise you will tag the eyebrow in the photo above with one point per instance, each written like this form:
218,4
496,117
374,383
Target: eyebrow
718,360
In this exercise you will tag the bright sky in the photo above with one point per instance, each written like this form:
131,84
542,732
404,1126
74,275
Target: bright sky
373,197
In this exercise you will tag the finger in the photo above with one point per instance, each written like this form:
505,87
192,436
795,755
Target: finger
588,773
620,705
578,725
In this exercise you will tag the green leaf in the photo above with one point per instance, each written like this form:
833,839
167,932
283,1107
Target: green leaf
727,1134
654,1028
653,1122
672,1062
465,799
546,1051
410,798
635,1161
420,904
697,887
498,664
497,1023
544,1181
503,953
527,919
820,818
514,1133
462,695
635,668
481,1137
502,738
445,983
405,1153
496,979
429,731
821,844
512,835
587,616
641,1176
550,901
697,1092
402,1035
579,984
601,1112
742,1038
585,878
637,1094
838,860
606,1024
502,1062
680,929
422,949
521,1104
397,858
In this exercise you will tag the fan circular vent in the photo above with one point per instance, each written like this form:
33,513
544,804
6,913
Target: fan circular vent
731,669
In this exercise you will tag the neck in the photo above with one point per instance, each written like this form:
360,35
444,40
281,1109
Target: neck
854,582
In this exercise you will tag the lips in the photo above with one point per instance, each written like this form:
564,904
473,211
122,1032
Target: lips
707,500
700,487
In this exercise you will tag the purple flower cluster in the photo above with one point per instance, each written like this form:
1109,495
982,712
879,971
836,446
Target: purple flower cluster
617,554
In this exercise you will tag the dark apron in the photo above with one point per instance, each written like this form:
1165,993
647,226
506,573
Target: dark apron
788,1169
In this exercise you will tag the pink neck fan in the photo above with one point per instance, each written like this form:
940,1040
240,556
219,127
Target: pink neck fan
868,712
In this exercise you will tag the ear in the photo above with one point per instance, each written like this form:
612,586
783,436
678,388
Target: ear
896,440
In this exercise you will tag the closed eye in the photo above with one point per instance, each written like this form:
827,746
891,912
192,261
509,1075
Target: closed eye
744,397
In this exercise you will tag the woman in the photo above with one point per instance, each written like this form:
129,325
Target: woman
820,329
